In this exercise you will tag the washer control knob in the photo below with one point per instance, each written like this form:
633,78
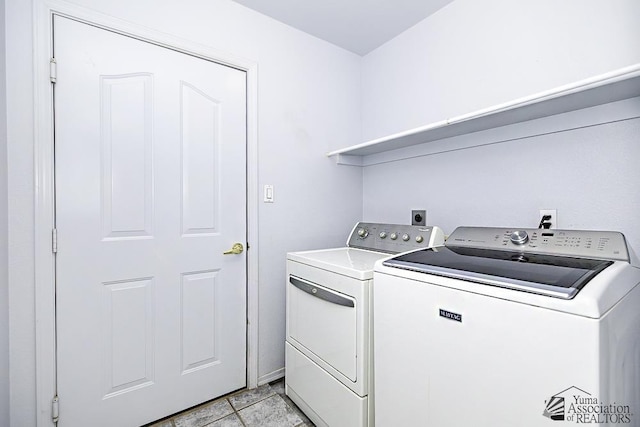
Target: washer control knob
383,234
363,232
519,237
393,236
405,237
419,239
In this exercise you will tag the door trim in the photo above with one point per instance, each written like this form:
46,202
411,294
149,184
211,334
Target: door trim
44,182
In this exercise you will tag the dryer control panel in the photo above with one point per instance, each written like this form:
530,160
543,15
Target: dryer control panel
578,243
394,238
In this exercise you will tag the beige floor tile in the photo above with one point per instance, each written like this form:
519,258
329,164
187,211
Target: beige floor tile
270,412
249,397
205,414
228,421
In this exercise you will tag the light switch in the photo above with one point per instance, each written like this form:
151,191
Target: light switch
268,193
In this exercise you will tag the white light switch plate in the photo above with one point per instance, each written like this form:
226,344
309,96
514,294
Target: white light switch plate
268,193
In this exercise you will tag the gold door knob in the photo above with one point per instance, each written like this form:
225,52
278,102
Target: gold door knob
235,250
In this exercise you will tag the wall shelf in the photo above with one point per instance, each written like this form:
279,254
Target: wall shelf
610,87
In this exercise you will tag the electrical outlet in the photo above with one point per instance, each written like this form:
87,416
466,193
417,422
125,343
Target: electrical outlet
553,221
419,217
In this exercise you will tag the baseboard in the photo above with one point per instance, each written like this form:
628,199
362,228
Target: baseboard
271,376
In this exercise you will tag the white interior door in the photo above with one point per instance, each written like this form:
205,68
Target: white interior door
150,190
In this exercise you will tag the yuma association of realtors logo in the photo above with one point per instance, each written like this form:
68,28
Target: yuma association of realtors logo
580,407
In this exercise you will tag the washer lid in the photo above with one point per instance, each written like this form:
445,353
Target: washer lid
555,276
356,263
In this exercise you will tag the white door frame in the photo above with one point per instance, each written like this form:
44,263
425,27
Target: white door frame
44,183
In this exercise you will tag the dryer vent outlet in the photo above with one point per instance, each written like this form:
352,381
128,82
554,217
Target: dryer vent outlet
419,217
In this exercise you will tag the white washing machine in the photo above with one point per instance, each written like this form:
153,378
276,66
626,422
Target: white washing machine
328,354
504,327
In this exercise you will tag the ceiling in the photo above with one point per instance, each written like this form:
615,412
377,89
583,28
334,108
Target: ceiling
356,25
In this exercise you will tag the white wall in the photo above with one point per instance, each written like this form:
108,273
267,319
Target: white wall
474,54
4,289
588,173
471,55
309,94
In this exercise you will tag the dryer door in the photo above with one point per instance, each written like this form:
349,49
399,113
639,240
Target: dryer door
323,324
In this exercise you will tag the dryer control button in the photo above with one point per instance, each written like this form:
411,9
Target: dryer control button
393,236
383,234
419,239
405,237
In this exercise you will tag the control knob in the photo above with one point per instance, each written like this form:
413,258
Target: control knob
383,234
519,237
405,237
363,232
419,239
393,236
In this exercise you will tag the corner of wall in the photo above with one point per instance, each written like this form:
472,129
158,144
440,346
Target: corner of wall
4,285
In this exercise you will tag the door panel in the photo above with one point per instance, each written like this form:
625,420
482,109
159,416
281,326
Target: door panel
150,190
128,324
200,129
201,326
126,119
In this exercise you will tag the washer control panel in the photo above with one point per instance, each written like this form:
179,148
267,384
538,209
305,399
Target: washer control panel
578,243
394,238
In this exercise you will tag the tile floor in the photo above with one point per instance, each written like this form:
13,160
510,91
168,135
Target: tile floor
265,406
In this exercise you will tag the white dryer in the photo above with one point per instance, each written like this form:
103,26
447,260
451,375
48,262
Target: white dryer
328,354
504,327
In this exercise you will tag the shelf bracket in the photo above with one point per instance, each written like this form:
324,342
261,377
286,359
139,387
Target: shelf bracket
348,160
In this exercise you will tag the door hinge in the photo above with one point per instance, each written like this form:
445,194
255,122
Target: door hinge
54,240
55,409
53,70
